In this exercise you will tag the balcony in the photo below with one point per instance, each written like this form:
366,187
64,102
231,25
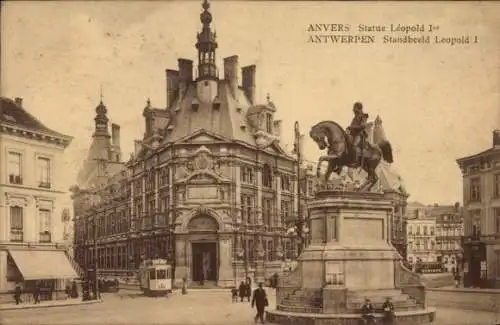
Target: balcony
481,238
15,179
44,184
45,237
16,235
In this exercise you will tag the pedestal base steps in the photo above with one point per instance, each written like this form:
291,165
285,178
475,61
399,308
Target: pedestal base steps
412,317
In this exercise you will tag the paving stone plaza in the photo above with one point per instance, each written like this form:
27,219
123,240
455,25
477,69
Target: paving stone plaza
197,307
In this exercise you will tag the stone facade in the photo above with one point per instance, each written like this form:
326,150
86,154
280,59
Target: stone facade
33,204
481,214
209,187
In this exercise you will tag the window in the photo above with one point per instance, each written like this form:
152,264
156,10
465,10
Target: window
475,189
247,175
16,224
269,123
161,274
285,210
15,168
267,179
425,230
45,224
43,169
267,208
286,184
432,231
497,220
497,185
164,177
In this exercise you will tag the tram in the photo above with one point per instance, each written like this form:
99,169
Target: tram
155,277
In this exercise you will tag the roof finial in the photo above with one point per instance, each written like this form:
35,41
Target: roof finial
268,98
100,94
148,102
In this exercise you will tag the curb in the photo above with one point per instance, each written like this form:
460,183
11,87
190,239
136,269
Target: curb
33,306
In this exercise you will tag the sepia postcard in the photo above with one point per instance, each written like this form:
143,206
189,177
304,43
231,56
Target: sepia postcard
238,162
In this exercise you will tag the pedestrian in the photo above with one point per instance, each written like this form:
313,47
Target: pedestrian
17,294
260,301
367,312
457,279
184,285
388,312
74,290
242,290
36,292
234,294
248,290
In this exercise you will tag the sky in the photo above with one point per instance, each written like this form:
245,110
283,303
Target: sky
437,102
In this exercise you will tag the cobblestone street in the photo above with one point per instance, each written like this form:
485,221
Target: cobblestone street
198,307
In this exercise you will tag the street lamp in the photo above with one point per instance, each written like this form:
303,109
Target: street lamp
297,150
96,259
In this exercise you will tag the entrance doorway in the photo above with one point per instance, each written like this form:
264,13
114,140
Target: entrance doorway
204,266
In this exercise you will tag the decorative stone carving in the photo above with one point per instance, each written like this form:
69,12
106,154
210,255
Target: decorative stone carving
43,203
203,223
16,201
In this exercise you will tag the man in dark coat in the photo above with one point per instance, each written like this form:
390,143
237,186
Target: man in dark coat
17,294
259,300
242,290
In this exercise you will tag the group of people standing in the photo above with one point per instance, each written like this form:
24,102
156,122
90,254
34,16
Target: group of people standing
259,298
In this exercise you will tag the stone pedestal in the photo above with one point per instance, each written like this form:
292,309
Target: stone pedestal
350,258
350,242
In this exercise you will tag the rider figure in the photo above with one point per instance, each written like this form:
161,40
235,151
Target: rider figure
357,129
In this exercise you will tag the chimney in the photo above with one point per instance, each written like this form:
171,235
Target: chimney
172,85
115,134
248,74
137,147
18,101
496,139
231,72
185,75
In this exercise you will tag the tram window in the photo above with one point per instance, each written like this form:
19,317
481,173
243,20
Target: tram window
152,274
161,274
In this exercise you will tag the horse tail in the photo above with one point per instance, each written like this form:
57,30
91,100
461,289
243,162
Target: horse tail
386,148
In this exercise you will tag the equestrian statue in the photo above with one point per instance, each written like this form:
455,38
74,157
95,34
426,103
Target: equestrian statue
350,147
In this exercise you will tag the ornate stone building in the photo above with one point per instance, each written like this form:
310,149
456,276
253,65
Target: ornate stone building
481,214
449,232
33,205
209,186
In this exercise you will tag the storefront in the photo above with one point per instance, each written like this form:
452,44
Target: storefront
49,270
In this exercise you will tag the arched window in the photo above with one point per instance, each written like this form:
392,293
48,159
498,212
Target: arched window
267,178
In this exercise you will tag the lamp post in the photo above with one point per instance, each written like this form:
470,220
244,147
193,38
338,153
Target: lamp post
299,222
96,259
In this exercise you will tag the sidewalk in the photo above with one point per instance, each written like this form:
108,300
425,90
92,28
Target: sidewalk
49,304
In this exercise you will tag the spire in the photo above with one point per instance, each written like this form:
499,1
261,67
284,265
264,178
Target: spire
101,119
206,46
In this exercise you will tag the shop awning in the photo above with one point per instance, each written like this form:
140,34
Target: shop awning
43,265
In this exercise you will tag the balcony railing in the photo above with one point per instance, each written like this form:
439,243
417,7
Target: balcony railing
45,237
481,237
15,179
16,235
44,184
335,278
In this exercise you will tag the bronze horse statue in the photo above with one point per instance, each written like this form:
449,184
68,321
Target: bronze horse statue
330,135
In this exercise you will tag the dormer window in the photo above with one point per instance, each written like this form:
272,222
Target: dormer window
216,105
195,106
269,123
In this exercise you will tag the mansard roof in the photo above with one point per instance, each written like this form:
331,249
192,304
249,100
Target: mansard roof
13,114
